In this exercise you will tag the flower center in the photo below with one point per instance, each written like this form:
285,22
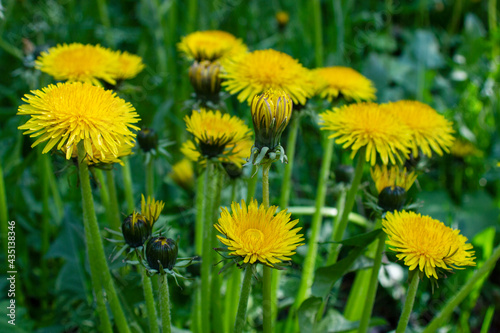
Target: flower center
254,236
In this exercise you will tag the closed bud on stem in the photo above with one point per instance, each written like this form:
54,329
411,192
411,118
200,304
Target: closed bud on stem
148,139
205,79
392,185
135,230
392,198
161,250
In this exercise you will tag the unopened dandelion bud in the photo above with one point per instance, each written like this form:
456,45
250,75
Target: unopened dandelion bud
148,139
282,18
161,251
392,185
271,113
392,198
205,79
233,171
135,230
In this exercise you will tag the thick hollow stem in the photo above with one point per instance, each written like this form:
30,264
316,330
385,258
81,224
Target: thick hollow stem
410,299
312,250
290,149
200,186
165,305
114,210
150,302
127,185
231,301
267,271
252,183
372,288
96,249
351,196
150,177
242,306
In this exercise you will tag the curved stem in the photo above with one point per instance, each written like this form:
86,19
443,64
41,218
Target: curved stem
290,149
267,271
114,210
452,303
127,185
372,288
165,305
242,306
351,196
312,249
410,299
150,301
95,247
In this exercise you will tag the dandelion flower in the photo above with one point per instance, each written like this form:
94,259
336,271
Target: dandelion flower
255,233
391,177
107,158
366,125
151,209
282,18
78,62
430,130
426,243
236,154
214,132
211,45
255,72
335,82
183,174
65,114
129,65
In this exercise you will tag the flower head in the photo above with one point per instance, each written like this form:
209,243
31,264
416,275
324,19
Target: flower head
107,158
282,18
211,45
183,174
391,177
236,154
426,243
430,130
151,209
366,125
255,72
67,113
78,62
129,65
255,233
215,132
332,82
135,230
205,79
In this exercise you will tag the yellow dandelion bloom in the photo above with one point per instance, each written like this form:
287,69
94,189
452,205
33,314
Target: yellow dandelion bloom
236,154
67,113
183,174
151,209
462,148
108,158
256,234
366,125
335,82
78,62
430,130
390,177
215,131
282,18
271,113
129,65
255,72
211,45
426,243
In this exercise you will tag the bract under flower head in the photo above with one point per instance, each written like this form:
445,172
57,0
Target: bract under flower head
214,131
211,45
426,243
366,125
78,62
256,234
255,72
335,82
67,113
430,131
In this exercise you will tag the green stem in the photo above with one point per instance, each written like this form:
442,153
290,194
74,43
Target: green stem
410,299
351,196
242,306
252,183
103,188
267,305
113,208
199,213
44,161
95,247
166,323
150,177
231,301
312,249
290,149
127,185
3,211
216,279
458,297
150,301
318,33
372,288
206,263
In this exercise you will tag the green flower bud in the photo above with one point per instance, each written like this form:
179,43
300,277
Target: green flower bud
135,230
205,79
161,250
148,139
392,198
